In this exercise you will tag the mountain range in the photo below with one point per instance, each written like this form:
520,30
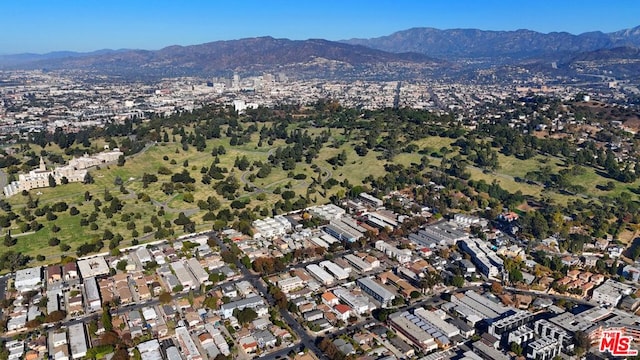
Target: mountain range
498,45
416,51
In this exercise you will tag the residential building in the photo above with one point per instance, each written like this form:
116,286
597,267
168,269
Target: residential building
93,267
290,284
77,341
93,302
544,348
403,256
28,279
226,310
611,292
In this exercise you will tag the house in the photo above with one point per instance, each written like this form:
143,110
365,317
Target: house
344,347
330,299
70,271
248,344
342,311
264,339
54,273
313,315
124,294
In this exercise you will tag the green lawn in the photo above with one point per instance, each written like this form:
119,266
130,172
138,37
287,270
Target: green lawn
173,157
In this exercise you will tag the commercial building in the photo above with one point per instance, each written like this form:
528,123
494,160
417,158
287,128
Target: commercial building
434,321
28,279
487,352
376,290
345,229
319,242
381,219
581,321
471,303
77,341
440,234
406,326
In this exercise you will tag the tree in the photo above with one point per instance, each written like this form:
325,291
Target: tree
52,181
165,298
106,319
121,160
457,281
54,241
516,348
9,240
121,265
55,316
88,179
246,315
515,275
496,288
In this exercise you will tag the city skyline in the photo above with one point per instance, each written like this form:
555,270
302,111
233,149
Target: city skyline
41,27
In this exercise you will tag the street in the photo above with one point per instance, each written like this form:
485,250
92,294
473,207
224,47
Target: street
256,281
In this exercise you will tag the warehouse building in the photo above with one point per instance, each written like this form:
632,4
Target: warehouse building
440,234
335,270
320,274
376,290
358,263
403,323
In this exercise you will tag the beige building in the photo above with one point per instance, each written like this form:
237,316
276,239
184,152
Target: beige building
74,172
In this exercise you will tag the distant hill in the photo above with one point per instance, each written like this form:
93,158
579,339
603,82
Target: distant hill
499,46
246,54
18,59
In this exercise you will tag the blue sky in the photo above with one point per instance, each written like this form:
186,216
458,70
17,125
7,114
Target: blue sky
51,25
